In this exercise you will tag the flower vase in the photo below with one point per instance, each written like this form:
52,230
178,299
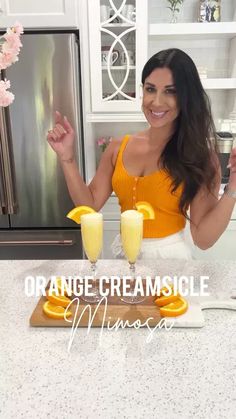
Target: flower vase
174,16
98,156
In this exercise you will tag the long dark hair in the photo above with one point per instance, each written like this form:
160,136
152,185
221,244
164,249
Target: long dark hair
189,154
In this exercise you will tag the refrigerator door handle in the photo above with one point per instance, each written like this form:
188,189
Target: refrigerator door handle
65,242
7,163
2,184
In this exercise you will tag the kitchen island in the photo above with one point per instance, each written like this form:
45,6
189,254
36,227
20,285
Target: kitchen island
181,373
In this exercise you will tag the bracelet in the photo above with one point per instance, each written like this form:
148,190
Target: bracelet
229,192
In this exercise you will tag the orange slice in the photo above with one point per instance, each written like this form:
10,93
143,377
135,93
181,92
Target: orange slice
163,300
55,312
167,290
59,300
174,309
59,286
146,209
76,213
59,283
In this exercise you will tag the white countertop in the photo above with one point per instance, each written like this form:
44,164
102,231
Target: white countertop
182,373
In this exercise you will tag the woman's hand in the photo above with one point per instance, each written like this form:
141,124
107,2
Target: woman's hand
61,138
232,166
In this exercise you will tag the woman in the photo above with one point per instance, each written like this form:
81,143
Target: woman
172,165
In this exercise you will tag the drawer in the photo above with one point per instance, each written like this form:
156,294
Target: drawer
111,229
224,248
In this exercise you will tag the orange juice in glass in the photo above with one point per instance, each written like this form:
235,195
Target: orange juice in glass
92,238
131,237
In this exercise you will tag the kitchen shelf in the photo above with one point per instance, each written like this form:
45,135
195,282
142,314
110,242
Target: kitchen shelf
115,117
193,30
119,67
118,25
117,29
214,84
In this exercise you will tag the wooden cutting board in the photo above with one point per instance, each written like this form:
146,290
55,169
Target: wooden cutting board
116,310
105,314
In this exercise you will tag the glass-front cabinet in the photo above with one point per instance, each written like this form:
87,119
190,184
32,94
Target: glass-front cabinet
118,32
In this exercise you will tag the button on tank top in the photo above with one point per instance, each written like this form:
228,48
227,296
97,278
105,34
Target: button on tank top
154,188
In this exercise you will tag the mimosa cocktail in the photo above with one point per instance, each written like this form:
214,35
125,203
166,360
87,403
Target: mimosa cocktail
92,237
131,236
131,233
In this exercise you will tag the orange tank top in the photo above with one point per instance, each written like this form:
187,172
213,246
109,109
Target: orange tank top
154,188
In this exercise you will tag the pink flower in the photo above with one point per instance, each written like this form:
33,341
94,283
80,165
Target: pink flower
101,141
6,98
13,43
5,60
10,45
18,28
10,48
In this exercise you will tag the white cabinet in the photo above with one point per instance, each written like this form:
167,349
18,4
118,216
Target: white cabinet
39,14
111,210
111,229
225,247
118,49
111,216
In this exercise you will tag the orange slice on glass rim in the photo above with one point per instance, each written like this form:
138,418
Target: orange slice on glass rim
59,300
75,213
54,311
146,209
178,307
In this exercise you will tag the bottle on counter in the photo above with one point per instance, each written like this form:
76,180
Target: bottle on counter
225,142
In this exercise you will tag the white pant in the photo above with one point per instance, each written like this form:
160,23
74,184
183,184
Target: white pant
170,247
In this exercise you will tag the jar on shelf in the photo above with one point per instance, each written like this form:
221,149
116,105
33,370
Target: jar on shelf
209,11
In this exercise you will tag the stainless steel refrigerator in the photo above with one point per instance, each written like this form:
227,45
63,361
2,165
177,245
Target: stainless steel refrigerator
34,199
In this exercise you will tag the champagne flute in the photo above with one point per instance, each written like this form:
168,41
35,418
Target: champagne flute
92,238
131,237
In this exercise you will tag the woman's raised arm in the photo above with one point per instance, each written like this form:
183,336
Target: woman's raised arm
62,140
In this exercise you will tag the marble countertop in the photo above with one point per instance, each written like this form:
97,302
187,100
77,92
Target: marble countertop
182,373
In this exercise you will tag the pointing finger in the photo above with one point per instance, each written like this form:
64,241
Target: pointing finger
58,117
67,125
